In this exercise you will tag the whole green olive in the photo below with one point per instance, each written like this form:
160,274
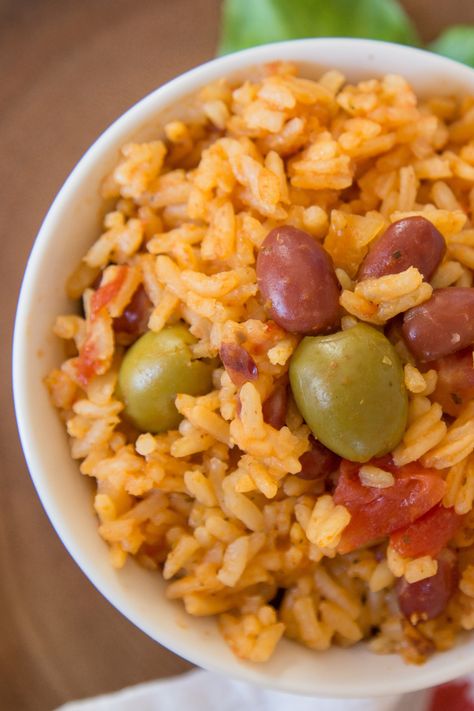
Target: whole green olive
154,370
350,389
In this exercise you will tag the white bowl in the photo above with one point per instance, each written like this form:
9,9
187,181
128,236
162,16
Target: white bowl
69,228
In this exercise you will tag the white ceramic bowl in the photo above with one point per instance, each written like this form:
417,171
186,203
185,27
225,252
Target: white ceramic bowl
70,226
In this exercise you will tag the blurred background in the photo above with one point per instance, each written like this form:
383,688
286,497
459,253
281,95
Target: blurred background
69,69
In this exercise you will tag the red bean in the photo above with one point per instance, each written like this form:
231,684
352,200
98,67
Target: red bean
134,319
318,462
442,325
238,362
455,385
234,454
275,406
96,283
411,242
297,280
428,598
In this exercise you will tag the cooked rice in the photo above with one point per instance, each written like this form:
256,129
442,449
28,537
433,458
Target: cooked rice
217,505
375,477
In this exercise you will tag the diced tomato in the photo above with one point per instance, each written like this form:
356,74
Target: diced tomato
455,385
428,535
376,513
455,696
86,365
88,362
106,293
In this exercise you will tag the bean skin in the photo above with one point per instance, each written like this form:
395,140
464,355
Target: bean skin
428,598
411,242
442,325
275,406
297,280
134,319
455,384
238,363
318,462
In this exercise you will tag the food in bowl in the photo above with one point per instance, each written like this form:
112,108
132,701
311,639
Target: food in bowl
271,381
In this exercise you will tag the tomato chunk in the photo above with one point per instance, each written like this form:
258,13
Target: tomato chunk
107,292
428,535
275,406
376,513
88,361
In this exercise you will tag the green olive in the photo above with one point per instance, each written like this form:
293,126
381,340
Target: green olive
350,389
154,370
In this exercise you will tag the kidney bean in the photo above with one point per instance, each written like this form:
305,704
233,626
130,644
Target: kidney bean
278,598
455,385
96,283
238,362
134,319
318,462
297,280
235,453
411,242
428,598
442,325
275,406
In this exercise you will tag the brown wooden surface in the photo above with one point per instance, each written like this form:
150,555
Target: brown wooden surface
69,67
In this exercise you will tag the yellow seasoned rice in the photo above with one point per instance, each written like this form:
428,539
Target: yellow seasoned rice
217,505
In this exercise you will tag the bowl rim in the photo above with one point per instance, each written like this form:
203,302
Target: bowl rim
166,95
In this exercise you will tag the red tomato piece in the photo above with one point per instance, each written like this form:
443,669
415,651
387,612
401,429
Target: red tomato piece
376,513
106,293
428,535
455,696
87,362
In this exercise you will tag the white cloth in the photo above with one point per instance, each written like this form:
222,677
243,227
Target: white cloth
204,691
